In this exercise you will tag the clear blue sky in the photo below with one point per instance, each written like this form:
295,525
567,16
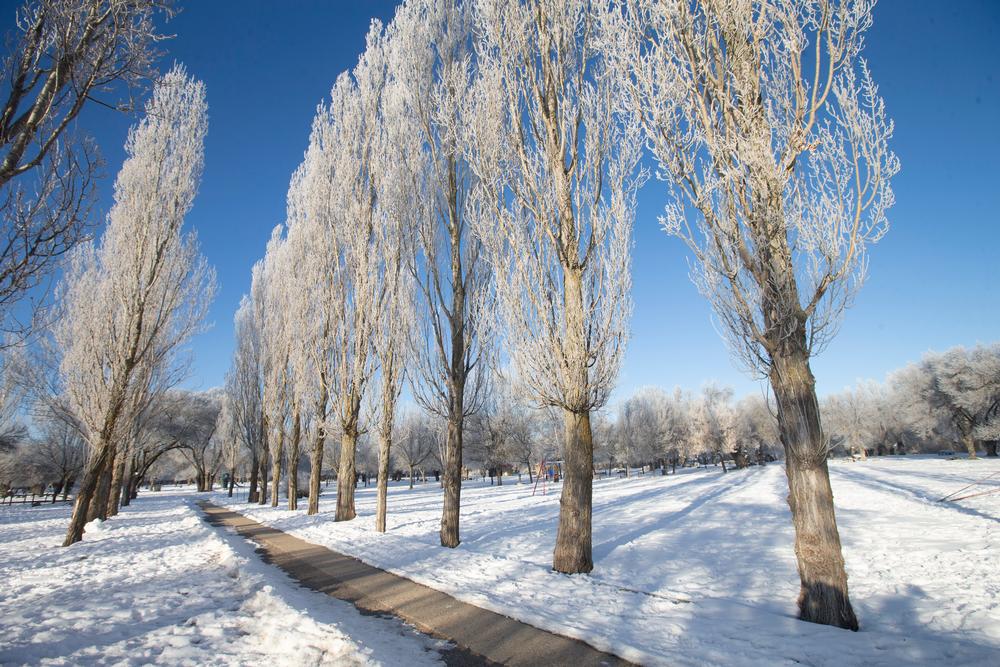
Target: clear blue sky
933,280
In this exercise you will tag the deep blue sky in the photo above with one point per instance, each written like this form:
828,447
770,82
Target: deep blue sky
933,280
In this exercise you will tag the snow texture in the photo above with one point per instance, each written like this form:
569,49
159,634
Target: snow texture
156,585
698,568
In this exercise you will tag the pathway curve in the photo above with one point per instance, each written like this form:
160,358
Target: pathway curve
482,637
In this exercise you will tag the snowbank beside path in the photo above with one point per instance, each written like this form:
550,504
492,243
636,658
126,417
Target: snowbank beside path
157,585
698,568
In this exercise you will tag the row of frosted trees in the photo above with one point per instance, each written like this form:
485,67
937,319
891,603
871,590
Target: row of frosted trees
948,400
467,200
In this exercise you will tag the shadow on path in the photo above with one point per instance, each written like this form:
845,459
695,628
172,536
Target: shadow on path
481,637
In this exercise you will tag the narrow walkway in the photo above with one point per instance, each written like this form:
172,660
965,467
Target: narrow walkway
482,637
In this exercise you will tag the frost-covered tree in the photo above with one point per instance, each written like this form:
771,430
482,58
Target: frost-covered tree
59,455
847,422
312,305
344,190
772,141
274,285
191,418
244,393
758,428
713,423
415,443
129,303
394,322
557,172
61,57
960,385
430,64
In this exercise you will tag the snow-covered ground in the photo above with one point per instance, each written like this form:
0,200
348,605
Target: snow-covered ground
698,568
157,585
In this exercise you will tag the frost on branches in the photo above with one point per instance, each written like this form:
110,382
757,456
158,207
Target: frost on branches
773,144
130,302
557,170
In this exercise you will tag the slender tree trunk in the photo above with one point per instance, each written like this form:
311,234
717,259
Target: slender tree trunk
276,467
88,485
382,492
126,498
117,476
316,470
293,463
252,484
451,479
263,477
316,459
991,448
823,596
573,539
232,480
346,475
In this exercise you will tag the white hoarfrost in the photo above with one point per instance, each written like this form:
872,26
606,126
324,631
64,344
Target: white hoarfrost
156,585
697,569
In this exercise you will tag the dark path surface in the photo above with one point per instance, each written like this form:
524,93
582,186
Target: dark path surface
482,637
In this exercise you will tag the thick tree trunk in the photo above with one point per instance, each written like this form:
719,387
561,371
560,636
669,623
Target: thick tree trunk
573,539
970,444
991,447
99,504
293,463
823,596
382,492
346,475
85,495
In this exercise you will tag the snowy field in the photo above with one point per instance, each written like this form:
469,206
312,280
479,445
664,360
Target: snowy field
698,568
158,585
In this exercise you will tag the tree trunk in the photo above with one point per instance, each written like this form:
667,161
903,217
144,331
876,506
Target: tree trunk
88,486
823,596
117,475
970,444
252,484
263,478
293,463
991,448
99,504
276,467
346,475
573,539
452,477
126,498
316,470
232,480
382,492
